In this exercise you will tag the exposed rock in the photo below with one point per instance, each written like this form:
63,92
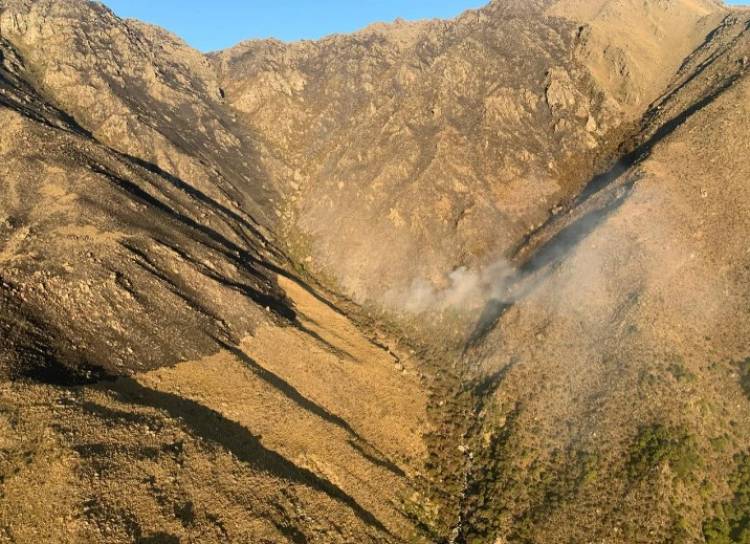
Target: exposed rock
480,280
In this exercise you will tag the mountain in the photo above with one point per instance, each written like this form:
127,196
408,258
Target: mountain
472,281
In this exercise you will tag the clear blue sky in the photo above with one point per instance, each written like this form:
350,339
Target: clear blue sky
209,25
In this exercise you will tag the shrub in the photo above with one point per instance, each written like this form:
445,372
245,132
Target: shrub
657,444
680,372
732,522
745,376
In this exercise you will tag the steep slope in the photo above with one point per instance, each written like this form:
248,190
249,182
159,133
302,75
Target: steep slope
112,267
141,91
420,140
618,410
633,49
317,442
530,223
443,144
86,229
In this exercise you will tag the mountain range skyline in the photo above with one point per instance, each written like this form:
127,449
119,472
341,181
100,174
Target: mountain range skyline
222,24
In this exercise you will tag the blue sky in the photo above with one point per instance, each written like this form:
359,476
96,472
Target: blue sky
215,24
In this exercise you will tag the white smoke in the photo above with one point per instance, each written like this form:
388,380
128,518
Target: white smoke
501,282
463,288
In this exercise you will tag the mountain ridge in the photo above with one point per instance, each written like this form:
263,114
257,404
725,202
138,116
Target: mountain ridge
473,284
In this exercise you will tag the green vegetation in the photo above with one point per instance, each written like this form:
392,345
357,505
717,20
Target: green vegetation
680,531
656,445
732,522
680,372
721,443
551,487
745,376
589,463
299,247
512,489
420,510
495,483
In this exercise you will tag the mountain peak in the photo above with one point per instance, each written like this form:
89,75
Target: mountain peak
479,280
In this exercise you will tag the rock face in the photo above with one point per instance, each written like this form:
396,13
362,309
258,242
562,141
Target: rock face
443,144
88,227
439,144
471,281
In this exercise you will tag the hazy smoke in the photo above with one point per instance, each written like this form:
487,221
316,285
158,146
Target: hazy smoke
500,282
465,288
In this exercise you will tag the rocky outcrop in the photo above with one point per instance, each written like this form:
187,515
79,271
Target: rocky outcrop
440,144
485,125
200,259
142,92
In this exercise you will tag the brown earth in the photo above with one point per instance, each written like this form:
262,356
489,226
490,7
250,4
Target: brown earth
470,281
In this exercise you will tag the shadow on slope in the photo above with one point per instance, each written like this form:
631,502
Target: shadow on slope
233,437
554,250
